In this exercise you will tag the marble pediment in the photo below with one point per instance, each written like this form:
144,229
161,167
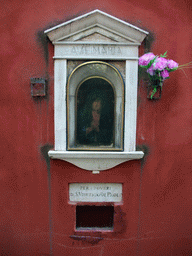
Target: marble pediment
96,27
96,35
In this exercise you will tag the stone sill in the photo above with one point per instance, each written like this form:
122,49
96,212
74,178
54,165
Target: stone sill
95,161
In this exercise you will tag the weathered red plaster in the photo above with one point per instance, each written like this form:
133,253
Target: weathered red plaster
36,217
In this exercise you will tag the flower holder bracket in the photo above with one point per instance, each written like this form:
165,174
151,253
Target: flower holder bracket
154,93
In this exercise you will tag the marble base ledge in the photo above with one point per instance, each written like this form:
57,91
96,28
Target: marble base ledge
95,161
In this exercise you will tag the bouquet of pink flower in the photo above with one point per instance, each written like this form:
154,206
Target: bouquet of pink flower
158,68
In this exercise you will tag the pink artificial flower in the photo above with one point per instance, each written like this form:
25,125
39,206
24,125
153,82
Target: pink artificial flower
146,58
160,63
171,64
165,74
150,71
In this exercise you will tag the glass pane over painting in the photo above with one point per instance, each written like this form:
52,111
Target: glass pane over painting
95,113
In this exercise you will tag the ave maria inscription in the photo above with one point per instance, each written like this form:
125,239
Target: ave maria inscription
95,50
109,51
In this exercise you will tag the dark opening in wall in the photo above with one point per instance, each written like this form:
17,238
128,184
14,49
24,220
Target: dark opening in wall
94,217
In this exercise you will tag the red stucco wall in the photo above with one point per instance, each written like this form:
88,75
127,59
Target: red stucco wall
35,217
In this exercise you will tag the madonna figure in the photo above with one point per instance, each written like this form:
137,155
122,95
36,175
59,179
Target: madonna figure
95,120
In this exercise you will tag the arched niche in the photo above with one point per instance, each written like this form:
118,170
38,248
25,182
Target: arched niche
96,77
95,114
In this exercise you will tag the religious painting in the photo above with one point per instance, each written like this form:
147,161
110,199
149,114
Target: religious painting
95,113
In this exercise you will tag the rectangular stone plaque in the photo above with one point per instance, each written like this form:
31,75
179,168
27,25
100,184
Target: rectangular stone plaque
95,192
97,51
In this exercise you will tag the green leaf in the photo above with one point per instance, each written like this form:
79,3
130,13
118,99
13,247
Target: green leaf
154,91
173,69
164,55
151,62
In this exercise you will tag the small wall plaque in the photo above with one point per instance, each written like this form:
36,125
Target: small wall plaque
38,87
95,192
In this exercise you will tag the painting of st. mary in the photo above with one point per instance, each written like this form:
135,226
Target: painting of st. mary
95,113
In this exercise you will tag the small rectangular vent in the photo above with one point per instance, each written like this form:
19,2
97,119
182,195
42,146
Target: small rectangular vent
94,217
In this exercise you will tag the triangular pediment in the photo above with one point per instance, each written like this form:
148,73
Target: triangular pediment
96,26
95,34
